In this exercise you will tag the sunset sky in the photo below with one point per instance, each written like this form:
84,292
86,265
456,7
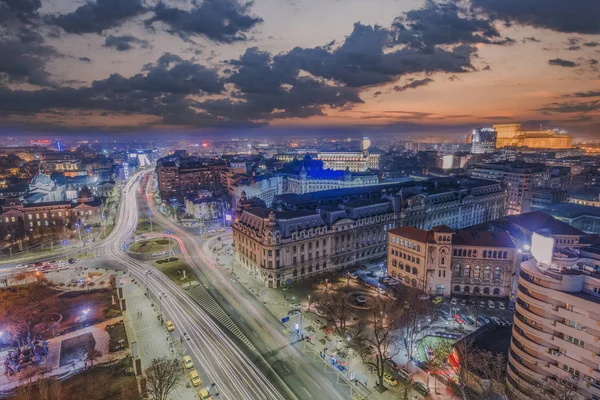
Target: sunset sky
388,65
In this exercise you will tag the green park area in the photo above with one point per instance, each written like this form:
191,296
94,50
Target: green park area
431,342
142,227
151,245
174,268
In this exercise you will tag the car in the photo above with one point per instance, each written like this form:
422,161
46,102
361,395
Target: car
32,268
505,321
404,375
362,267
22,266
203,394
469,320
491,304
389,379
393,282
187,362
482,304
371,274
454,301
195,378
496,320
221,230
463,302
459,319
421,388
511,306
501,305
170,326
480,321
392,364
437,300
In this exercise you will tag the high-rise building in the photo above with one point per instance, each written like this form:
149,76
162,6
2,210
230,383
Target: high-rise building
483,140
511,135
556,332
519,178
365,144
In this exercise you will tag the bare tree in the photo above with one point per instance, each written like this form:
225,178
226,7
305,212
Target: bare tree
93,354
482,371
561,388
162,376
416,317
334,306
438,363
56,390
374,338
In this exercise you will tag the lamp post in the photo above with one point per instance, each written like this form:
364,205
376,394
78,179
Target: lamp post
308,303
63,243
169,232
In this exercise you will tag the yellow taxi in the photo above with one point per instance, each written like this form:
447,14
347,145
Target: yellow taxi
170,326
195,378
187,362
389,379
204,394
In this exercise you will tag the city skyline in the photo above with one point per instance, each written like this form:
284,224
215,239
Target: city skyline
414,68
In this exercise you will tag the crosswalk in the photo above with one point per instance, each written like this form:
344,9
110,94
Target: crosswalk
208,303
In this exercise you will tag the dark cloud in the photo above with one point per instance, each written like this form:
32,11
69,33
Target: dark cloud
558,15
377,93
85,59
23,51
591,44
592,61
442,24
268,90
570,107
124,43
530,39
362,59
413,85
590,93
223,21
559,62
97,16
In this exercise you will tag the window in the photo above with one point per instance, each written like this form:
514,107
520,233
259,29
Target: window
467,272
414,271
457,271
443,261
486,272
477,272
575,341
497,272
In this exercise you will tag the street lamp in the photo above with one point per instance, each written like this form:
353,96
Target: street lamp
169,232
308,302
63,244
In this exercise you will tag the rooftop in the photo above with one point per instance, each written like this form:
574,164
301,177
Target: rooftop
572,210
537,220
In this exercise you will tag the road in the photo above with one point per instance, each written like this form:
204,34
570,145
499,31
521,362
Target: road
304,376
225,362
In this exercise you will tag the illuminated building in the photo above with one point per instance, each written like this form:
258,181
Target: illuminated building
365,144
281,247
443,261
556,331
520,179
355,161
483,140
511,135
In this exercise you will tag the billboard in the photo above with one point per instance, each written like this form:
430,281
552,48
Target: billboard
542,248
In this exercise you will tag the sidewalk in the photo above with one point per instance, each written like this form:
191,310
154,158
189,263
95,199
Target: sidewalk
151,336
354,367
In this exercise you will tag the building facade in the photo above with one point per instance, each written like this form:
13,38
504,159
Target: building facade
556,332
511,135
281,247
355,161
519,178
483,140
444,262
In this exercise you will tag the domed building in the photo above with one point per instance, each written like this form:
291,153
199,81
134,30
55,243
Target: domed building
43,189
